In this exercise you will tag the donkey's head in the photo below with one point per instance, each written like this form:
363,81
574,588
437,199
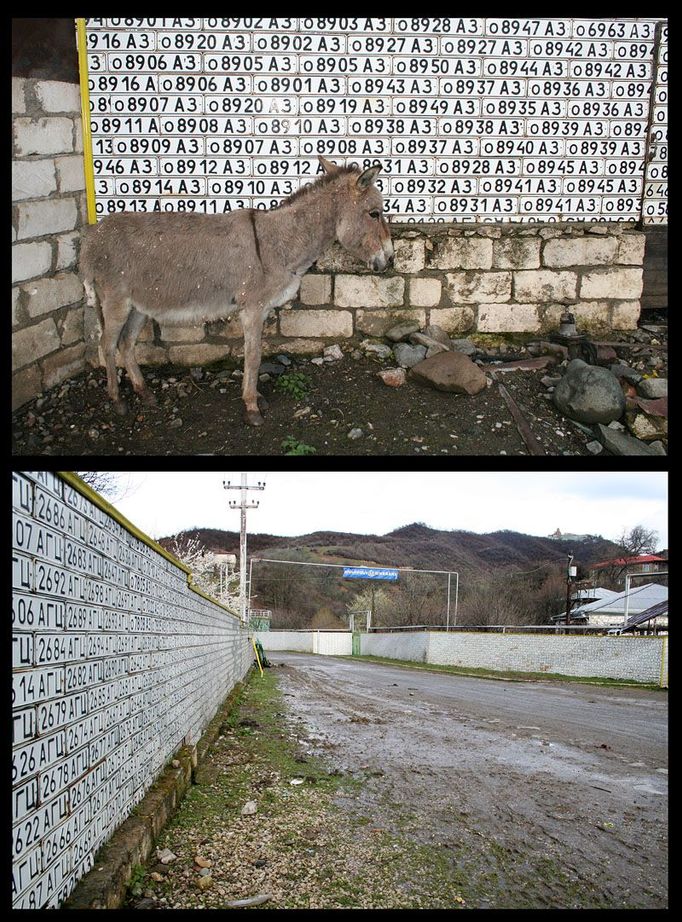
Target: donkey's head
360,226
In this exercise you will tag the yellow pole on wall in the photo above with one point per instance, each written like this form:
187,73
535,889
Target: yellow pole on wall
85,120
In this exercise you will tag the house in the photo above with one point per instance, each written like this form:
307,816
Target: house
618,567
610,611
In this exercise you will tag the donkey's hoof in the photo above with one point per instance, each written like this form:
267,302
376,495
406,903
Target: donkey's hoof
121,407
253,418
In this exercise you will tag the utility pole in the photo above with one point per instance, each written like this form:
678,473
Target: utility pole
570,573
243,506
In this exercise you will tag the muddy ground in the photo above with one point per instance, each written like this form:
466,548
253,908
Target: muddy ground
541,794
199,412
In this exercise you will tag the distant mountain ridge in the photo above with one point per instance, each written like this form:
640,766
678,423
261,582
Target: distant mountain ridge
415,545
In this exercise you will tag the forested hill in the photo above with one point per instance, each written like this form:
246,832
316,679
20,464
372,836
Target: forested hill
414,545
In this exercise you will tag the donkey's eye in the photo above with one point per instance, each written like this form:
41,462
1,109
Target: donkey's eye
375,214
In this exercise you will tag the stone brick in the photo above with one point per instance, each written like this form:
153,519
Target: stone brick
201,354
515,253
368,291
409,255
149,354
336,259
316,323
32,179
295,346
625,315
544,285
26,384
458,319
472,287
176,333
37,219
631,249
580,251
591,316
62,365
425,292
70,173
46,295
71,326
58,96
316,289
377,322
508,318
34,342
463,253
43,136
30,260
623,284
18,97
67,250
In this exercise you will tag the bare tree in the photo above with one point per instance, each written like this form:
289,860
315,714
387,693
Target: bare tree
639,540
107,483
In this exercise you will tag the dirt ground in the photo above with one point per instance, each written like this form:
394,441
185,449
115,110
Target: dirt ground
542,794
199,412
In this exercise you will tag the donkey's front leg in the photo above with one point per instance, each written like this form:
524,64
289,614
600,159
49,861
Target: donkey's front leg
252,325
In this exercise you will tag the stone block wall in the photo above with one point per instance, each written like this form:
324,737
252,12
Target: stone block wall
117,662
506,278
48,209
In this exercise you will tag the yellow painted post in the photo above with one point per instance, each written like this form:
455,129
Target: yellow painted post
85,119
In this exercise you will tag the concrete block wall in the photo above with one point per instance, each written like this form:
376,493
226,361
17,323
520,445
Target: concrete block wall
48,209
117,663
634,659
326,643
504,278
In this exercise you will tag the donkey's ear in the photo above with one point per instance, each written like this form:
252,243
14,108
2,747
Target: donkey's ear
367,178
327,165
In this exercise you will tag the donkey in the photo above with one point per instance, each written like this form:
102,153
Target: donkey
179,268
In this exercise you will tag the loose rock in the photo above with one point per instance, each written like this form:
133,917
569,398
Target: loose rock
407,356
589,394
249,808
393,377
450,371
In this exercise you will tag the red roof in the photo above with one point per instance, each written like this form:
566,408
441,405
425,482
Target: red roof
623,561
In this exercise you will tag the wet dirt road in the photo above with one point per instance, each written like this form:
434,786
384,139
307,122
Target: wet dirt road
543,794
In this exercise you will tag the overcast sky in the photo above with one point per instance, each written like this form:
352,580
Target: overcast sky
535,503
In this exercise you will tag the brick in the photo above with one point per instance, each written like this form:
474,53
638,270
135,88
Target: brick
62,365
201,354
30,260
516,253
592,315
462,253
580,251
37,219
316,323
472,287
631,249
336,259
67,250
316,289
369,291
43,136
71,326
409,255
26,384
295,346
58,96
624,284
70,173
625,315
175,333
425,292
544,285
32,179
453,320
508,318
376,322
34,342
18,95
46,295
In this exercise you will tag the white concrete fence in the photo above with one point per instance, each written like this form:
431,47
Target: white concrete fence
631,659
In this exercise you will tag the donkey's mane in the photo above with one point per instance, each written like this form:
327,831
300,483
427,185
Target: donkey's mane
323,180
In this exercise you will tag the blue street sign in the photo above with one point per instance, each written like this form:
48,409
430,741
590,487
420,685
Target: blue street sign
369,573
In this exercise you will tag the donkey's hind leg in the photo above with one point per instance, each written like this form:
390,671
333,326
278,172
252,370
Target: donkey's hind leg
126,344
115,311
252,325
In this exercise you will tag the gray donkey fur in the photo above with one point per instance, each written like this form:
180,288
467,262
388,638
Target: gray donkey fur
182,268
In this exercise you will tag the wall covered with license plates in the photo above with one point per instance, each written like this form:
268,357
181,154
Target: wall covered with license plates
117,663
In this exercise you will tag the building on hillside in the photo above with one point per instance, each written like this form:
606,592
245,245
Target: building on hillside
559,536
610,611
620,567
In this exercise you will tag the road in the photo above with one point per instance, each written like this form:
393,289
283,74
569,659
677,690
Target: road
545,794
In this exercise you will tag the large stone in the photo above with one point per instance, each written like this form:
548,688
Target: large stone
653,388
618,443
580,251
369,291
647,427
462,253
589,394
450,371
407,356
401,330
